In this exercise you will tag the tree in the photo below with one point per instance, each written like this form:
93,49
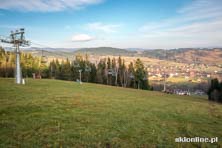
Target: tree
131,75
215,91
93,73
141,75
52,69
57,69
66,70
121,71
115,70
125,74
109,69
101,72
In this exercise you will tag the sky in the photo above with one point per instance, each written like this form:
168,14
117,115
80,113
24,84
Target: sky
147,24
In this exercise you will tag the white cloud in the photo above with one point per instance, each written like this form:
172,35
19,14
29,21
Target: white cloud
106,28
81,38
199,11
45,5
198,24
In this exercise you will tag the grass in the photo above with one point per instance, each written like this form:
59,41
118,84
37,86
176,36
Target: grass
53,113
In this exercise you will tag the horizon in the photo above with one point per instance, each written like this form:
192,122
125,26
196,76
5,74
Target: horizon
118,24
128,49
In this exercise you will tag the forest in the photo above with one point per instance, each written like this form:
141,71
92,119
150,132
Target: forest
107,71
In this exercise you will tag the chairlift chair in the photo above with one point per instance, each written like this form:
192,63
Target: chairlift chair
145,78
88,69
131,76
114,74
110,71
44,59
76,65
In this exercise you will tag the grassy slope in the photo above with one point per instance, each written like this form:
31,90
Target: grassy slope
52,113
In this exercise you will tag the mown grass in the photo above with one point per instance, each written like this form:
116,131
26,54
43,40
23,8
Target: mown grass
53,113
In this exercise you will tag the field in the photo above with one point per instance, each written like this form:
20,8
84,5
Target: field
53,113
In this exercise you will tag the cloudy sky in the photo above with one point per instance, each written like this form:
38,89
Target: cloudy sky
115,23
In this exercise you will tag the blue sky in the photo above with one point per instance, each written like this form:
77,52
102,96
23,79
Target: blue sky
116,23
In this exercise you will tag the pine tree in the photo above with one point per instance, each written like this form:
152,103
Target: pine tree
114,72
93,73
215,91
109,69
131,76
101,72
141,75
120,71
66,71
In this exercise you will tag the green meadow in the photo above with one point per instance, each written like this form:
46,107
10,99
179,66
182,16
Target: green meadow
54,113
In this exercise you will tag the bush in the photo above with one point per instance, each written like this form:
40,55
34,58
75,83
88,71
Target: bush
215,91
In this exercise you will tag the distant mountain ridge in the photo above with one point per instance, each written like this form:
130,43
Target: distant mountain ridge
106,51
184,55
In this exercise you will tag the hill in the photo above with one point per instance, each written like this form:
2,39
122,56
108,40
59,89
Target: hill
50,53
106,51
53,113
182,55
63,53
187,55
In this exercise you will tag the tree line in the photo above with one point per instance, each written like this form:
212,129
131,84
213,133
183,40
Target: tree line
108,71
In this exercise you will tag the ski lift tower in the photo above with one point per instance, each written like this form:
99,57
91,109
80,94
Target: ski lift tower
17,39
